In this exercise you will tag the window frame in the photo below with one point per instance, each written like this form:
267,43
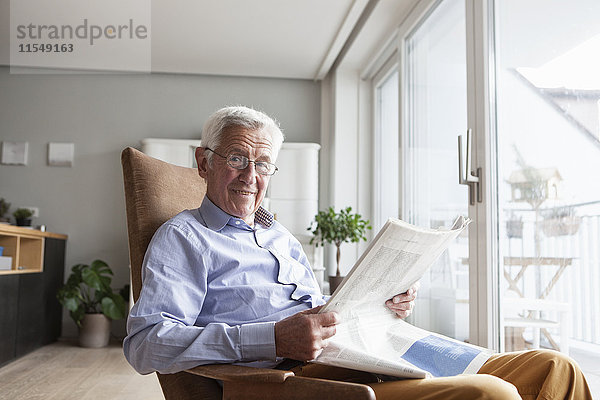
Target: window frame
389,67
484,329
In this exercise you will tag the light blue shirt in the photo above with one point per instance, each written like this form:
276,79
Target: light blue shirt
213,288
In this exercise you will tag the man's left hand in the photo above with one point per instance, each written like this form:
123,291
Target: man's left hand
402,304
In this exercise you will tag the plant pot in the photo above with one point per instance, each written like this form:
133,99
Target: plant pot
514,228
561,226
94,331
23,221
334,282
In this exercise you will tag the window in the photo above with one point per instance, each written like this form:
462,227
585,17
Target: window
548,162
523,76
386,149
435,109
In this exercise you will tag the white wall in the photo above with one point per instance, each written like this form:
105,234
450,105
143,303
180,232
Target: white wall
102,114
346,154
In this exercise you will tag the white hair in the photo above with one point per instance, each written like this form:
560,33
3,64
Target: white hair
239,117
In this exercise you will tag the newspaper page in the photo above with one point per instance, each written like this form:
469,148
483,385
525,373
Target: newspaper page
370,336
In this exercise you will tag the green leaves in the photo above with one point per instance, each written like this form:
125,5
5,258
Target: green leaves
338,228
113,306
22,213
88,291
97,276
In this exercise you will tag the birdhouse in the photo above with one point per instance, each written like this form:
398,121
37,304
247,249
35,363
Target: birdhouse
535,185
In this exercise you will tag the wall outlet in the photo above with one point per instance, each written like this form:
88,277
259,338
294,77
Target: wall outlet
36,211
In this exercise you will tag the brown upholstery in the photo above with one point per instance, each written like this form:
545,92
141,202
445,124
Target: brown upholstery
154,192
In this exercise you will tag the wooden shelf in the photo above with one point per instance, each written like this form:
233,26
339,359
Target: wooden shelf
8,229
26,247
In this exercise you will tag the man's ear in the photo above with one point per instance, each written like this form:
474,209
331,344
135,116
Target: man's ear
202,162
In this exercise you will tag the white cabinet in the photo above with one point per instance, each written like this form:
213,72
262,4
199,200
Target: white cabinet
294,196
174,151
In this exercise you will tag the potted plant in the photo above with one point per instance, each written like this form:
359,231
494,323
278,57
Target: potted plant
91,302
23,216
560,221
514,226
337,228
4,206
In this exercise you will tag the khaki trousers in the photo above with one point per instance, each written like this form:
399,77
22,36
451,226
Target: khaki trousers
537,374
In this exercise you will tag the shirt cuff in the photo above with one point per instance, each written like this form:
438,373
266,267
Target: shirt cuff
258,341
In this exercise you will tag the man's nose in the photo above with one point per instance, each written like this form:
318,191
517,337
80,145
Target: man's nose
248,175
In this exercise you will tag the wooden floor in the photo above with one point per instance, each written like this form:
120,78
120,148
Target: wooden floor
65,371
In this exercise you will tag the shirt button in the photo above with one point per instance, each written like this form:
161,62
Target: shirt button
237,222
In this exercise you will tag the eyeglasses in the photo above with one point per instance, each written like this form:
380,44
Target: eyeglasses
240,162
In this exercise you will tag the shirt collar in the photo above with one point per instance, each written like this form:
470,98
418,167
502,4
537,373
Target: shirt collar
263,217
216,219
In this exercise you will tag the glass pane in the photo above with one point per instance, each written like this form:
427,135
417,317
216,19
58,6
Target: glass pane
387,152
548,126
436,112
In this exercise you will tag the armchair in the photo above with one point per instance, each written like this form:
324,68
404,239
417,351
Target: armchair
154,192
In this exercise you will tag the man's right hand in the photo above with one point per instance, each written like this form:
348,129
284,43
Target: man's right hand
303,336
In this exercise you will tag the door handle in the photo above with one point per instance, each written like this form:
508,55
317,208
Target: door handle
466,176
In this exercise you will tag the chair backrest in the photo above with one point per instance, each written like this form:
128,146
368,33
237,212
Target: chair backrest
155,191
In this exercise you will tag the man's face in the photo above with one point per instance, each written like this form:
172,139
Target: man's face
237,192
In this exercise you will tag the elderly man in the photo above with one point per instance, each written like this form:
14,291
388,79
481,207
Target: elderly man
225,283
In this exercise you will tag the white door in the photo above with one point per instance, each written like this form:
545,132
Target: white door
523,76
434,111
548,176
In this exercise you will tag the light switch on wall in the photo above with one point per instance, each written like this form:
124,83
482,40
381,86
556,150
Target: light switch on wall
61,154
14,153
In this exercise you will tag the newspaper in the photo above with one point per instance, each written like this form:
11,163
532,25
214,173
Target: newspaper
371,337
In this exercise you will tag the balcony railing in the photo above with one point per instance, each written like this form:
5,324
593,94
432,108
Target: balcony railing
575,242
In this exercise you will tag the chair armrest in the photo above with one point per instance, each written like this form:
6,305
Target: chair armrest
298,388
240,373
260,383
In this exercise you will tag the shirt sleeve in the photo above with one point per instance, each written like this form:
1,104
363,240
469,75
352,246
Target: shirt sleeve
161,332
